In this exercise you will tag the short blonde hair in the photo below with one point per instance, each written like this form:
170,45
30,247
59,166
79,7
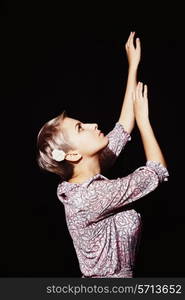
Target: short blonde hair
51,136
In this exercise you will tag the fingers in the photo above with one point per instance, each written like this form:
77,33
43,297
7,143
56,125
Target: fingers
130,39
140,89
138,43
140,92
145,94
130,42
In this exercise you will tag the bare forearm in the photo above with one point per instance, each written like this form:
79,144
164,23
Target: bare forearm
150,144
127,117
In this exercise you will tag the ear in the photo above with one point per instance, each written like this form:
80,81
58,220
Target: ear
73,156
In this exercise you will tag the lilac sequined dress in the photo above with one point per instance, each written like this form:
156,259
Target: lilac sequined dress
105,239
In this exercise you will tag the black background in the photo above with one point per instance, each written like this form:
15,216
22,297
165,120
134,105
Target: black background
56,58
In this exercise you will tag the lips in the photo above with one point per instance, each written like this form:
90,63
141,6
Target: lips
100,133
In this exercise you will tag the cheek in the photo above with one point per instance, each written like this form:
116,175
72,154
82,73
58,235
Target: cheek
89,142
79,141
74,141
93,144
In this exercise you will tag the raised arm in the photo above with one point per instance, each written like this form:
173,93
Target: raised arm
133,53
116,193
150,144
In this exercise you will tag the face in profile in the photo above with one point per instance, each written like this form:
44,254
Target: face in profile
85,138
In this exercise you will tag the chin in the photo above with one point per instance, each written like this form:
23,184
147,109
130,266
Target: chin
106,141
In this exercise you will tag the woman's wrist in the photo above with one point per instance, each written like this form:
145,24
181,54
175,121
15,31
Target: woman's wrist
143,124
133,67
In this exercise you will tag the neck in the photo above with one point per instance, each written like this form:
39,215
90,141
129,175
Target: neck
86,169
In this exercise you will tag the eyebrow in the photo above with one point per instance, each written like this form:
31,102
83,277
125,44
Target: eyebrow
78,123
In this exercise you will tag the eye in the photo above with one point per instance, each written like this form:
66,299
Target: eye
79,127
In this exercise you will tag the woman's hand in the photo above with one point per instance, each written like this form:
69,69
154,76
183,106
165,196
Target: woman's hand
133,53
140,100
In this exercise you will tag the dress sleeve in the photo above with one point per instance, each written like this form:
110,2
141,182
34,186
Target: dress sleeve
118,138
114,194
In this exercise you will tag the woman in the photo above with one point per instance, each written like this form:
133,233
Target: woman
105,232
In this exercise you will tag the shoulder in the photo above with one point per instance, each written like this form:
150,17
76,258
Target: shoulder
102,185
